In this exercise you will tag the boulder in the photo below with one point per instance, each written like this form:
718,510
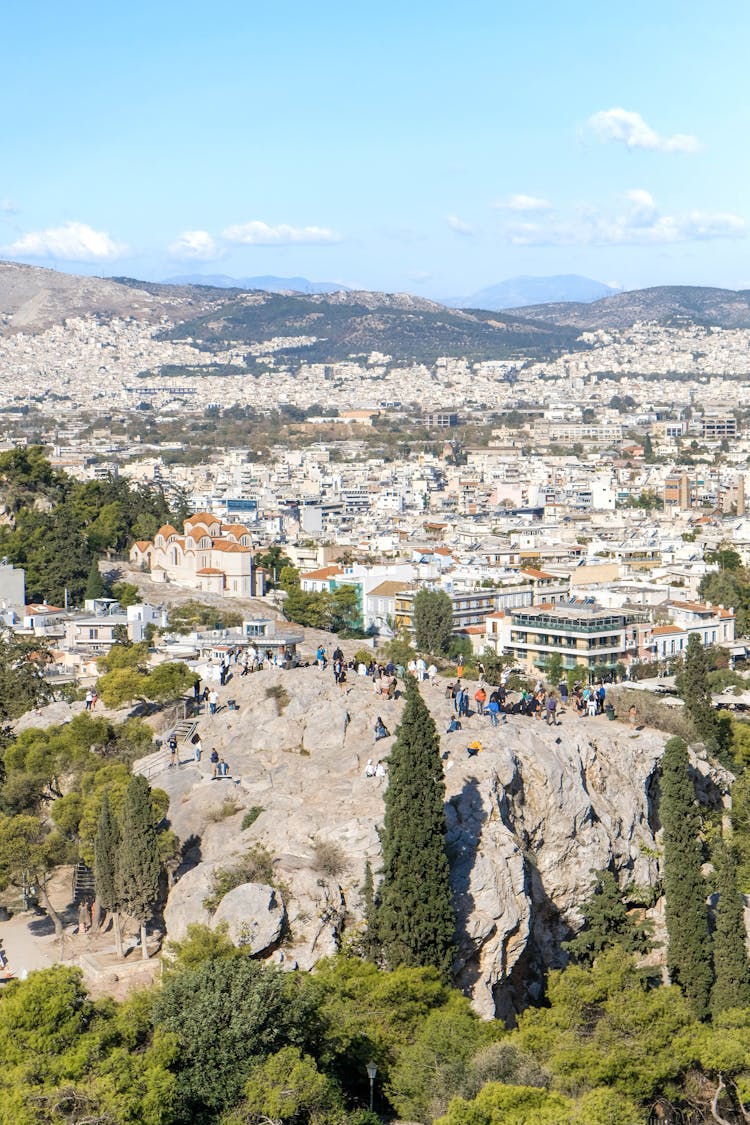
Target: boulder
185,902
254,915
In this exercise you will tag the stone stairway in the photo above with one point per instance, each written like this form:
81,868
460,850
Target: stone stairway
154,763
84,887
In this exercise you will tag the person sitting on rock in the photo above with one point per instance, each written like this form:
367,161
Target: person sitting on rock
453,725
380,770
474,748
370,768
381,730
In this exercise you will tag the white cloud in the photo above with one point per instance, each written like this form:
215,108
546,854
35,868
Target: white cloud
73,242
459,226
624,125
637,222
257,233
195,246
8,207
520,202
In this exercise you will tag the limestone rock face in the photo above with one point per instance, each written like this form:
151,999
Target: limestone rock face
185,902
254,915
529,818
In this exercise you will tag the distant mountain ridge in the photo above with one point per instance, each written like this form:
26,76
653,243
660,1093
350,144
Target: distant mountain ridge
267,282
664,304
517,292
334,327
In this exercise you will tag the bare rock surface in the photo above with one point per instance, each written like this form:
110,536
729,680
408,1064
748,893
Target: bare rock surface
529,818
254,915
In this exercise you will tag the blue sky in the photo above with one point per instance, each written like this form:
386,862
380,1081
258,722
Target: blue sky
436,148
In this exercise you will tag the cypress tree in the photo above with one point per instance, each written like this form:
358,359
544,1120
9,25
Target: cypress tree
415,918
695,690
369,943
94,583
106,848
732,972
689,946
139,867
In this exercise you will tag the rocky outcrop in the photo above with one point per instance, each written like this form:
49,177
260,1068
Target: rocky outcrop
254,916
529,819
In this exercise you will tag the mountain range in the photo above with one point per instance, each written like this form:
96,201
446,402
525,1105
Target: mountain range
267,282
333,327
665,304
517,292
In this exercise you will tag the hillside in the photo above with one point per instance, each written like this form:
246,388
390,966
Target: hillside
664,304
529,818
342,323
356,323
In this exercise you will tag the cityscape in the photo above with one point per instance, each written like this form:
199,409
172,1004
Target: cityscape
374,565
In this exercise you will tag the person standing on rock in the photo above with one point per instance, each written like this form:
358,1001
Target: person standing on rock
172,744
552,719
198,748
213,700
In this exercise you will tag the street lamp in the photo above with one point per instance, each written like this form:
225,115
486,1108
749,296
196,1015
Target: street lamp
372,1070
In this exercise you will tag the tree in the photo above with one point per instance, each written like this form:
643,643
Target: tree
121,686
139,865
689,950
29,853
433,621
22,685
731,988
344,610
725,556
169,681
127,594
273,561
106,850
415,919
229,1013
94,583
607,923
553,669
695,690
69,1059
434,1068
288,1086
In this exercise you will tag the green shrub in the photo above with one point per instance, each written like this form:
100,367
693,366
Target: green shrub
251,816
255,866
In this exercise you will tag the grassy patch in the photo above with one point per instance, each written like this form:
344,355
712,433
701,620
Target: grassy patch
652,712
255,866
329,858
227,808
251,816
